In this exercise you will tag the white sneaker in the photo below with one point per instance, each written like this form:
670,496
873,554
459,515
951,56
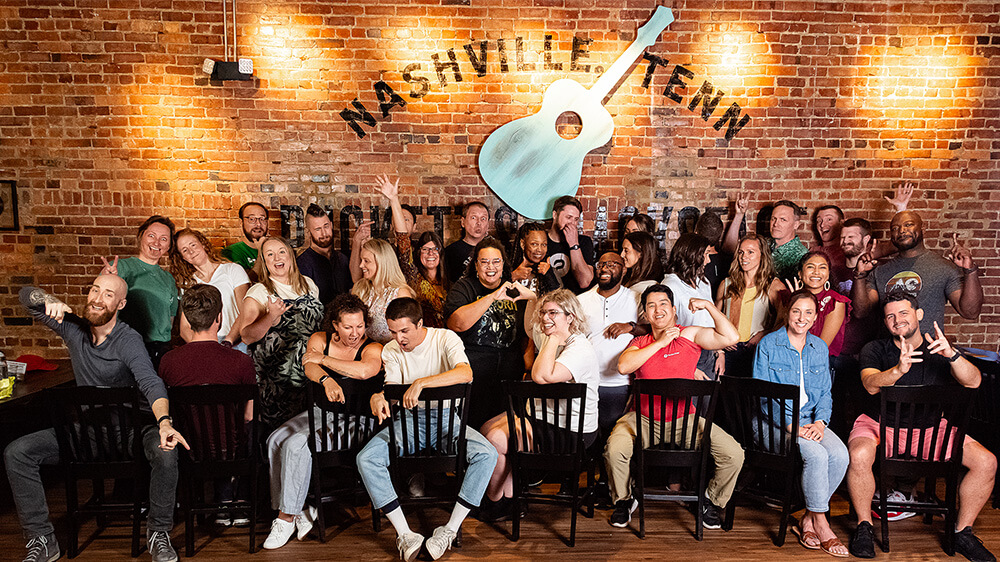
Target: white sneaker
304,521
440,542
409,545
896,496
281,531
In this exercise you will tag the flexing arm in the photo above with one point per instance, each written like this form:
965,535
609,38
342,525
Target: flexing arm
724,334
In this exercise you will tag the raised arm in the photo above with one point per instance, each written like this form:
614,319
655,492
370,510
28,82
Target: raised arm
722,336
361,235
732,238
968,300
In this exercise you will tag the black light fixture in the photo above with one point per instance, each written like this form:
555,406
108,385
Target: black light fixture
236,69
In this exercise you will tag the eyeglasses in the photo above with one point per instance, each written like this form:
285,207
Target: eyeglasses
495,263
609,265
256,220
547,313
430,250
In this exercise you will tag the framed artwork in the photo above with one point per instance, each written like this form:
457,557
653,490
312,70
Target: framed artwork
8,206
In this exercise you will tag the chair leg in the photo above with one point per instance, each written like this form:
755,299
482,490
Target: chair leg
188,498
786,511
572,520
883,511
727,523
376,520
136,519
951,515
699,516
254,504
72,507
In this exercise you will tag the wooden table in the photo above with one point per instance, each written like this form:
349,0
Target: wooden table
35,382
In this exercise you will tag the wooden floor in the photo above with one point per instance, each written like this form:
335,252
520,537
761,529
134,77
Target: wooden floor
669,537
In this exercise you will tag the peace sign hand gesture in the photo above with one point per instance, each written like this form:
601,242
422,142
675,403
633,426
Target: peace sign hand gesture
109,268
742,201
959,254
866,262
939,344
907,356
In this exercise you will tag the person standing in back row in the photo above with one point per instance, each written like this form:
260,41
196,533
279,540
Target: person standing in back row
570,253
475,227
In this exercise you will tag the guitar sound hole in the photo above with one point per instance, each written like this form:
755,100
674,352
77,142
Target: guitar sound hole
569,125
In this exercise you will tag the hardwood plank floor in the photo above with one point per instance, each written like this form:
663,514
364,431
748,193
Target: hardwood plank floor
669,537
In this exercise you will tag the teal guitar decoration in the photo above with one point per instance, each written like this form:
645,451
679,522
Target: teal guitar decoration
528,165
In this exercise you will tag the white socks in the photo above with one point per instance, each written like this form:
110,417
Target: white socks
398,521
457,516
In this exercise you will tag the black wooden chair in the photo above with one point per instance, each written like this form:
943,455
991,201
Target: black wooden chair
931,449
411,452
99,431
552,415
984,424
771,463
345,428
686,447
212,419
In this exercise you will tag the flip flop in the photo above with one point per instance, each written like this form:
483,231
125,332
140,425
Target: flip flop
808,539
828,545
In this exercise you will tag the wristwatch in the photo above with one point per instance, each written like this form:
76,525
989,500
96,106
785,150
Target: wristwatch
323,378
955,357
574,247
166,417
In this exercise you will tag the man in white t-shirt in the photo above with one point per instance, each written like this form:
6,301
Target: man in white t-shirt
423,358
612,311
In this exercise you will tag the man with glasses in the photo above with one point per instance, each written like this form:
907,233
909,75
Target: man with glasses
321,262
253,217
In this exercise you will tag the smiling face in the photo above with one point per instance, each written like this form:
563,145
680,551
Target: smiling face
784,223
801,316
277,259
906,231
105,298
660,311
853,241
191,250
489,267
369,267
748,255
828,224
609,271
350,328
553,319
901,319
320,230
476,223
567,215
815,273
535,245
430,256
407,334
629,255
254,223
154,242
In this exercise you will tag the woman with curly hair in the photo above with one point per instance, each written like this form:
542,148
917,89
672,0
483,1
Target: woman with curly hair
193,260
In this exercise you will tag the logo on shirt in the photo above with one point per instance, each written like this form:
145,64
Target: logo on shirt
906,281
560,263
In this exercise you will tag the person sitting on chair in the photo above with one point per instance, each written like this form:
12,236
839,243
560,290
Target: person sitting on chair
422,358
103,352
907,359
672,351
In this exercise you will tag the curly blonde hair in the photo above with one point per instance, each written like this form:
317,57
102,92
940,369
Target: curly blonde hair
567,301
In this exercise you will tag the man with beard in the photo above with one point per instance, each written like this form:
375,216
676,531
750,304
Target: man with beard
570,253
910,358
327,267
920,273
786,248
612,312
104,352
253,216
475,227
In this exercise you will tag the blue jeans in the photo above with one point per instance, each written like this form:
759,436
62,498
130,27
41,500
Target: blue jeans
373,462
824,464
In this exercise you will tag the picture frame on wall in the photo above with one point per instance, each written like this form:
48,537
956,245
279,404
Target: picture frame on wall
8,206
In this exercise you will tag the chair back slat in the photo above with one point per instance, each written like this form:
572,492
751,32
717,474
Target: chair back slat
96,425
928,424
756,406
688,404
550,414
340,429
439,412
212,417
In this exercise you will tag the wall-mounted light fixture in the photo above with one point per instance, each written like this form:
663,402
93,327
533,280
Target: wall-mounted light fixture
235,69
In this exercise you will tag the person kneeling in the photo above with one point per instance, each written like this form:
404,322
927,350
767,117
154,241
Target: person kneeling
672,351
423,358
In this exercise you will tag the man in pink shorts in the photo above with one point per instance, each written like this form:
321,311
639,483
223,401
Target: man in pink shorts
912,358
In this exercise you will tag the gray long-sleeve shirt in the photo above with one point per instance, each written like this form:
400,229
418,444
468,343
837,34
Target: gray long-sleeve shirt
120,360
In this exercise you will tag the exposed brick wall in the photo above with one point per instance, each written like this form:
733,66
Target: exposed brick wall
106,117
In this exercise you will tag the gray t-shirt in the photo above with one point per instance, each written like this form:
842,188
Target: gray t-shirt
929,277
120,360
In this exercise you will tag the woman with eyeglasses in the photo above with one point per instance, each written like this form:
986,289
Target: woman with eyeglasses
422,265
485,308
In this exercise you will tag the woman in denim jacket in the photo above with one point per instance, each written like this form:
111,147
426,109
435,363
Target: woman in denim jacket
791,355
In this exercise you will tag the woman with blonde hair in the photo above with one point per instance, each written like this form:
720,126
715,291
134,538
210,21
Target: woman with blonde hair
193,260
559,333
749,297
377,282
279,314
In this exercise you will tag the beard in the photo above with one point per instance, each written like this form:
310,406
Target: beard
254,234
98,318
610,283
325,243
852,250
910,244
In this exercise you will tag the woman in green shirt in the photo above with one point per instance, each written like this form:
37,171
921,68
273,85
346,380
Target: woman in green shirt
152,299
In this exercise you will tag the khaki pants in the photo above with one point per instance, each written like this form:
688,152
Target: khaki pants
725,451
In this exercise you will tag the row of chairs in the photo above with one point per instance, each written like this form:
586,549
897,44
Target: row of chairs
97,429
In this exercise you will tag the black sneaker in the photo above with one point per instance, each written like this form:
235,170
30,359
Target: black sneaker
710,518
46,549
862,544
969,546
622,514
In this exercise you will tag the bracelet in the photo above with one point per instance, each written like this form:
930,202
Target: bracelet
968,270
955,357
323,378
161,418
862,276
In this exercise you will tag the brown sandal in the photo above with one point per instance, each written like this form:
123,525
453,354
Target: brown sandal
829,545
807,539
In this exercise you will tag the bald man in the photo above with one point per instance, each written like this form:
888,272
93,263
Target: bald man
612,312
932,279
104,352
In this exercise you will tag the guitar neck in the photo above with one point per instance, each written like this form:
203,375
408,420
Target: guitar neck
646,36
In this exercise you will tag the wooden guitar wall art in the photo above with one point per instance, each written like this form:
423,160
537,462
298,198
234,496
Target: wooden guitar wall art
528,164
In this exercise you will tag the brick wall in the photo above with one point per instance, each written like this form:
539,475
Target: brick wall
106,116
